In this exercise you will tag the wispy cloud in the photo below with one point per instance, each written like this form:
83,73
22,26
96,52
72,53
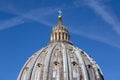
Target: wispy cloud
110,18
11,22
39,14
112,40
35,15
105,14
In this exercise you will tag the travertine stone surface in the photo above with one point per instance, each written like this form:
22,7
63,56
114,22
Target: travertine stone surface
60,60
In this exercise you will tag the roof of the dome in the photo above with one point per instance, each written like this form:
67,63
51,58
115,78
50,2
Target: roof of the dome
60,60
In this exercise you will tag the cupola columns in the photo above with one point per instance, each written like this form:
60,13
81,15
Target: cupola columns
60,33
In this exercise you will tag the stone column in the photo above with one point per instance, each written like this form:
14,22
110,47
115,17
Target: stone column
51,37
57,36
61,36
64,36
54,36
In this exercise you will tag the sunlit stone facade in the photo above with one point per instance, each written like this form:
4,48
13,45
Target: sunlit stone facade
60,60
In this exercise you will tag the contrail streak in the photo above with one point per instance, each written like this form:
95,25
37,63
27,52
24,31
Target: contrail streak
101,10
35,15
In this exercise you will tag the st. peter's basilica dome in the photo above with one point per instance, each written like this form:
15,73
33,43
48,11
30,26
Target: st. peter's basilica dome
60,60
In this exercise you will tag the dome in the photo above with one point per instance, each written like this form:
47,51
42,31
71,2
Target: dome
60,60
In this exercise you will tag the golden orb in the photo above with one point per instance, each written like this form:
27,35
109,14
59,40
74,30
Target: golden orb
59,17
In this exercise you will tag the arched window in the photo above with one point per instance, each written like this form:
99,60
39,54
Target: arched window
56,71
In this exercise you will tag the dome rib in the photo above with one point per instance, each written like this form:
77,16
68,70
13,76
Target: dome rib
77,52
47,62
38,63
26,64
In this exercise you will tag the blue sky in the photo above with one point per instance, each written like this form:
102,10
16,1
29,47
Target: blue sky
25,27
